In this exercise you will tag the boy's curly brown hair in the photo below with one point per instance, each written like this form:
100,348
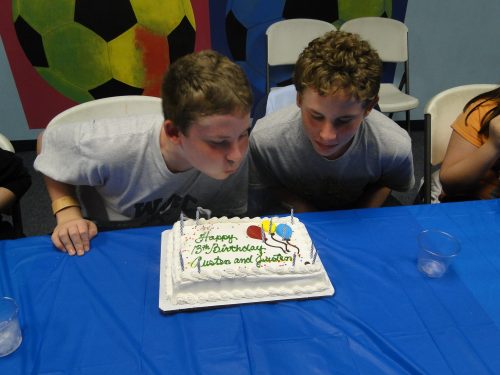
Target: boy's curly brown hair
337,61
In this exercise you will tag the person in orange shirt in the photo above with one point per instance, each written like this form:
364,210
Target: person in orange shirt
471,167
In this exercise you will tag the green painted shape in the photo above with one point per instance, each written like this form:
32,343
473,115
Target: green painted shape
78,55
44,15
69,90
349,9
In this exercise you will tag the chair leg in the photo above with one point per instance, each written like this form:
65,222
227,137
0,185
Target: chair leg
427,158
408,123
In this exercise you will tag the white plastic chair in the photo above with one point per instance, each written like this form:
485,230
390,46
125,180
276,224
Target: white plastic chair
287,39
15,211
115,106
111,107
281,97
389,38
439,114
5,144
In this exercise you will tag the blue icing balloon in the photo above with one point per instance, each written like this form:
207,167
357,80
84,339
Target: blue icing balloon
284,231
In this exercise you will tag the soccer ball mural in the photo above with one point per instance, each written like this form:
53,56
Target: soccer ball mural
89,49
247,21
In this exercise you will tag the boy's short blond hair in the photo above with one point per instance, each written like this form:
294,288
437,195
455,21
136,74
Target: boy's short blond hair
337,61
203,84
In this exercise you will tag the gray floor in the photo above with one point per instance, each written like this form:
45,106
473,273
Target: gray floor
38,220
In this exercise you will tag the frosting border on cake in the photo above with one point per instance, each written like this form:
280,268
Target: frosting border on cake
247,283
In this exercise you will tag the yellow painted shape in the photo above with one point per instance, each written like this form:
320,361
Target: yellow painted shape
125,58
163,16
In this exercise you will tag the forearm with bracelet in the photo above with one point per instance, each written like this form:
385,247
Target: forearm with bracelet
64,202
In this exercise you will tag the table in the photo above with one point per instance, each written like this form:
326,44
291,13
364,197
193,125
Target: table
98,314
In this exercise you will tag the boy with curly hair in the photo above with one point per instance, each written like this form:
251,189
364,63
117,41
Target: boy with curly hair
332,150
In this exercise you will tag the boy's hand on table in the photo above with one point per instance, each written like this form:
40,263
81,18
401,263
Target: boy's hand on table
73,233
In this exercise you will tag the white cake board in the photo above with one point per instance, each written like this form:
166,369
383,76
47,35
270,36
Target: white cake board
166,306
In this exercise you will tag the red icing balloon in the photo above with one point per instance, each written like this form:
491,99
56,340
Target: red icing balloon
253,231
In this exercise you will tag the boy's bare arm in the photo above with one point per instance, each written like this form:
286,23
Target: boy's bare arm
72,233
290,200
373,196
465,164
7,198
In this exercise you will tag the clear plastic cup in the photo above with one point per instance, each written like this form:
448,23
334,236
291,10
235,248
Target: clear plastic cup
436,251
10,331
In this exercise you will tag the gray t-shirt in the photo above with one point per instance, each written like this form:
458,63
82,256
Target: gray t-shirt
121,159
283,156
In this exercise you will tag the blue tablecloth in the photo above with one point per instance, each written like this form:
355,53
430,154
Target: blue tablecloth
98,314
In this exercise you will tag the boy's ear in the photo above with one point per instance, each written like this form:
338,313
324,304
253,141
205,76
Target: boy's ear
299,100
172,132
371,104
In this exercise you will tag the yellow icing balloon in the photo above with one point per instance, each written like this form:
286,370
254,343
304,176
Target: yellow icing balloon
265,225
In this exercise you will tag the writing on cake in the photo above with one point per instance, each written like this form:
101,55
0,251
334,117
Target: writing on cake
223,244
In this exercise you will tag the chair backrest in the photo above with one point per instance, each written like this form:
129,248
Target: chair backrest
116,106
105,108
287,39
387,36
442,110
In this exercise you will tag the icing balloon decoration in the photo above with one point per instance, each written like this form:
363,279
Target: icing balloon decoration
268,226
284,231
258,233
253,231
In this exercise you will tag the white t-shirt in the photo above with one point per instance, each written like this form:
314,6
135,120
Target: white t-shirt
282,156
121,159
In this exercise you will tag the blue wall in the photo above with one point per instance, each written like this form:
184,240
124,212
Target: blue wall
452,43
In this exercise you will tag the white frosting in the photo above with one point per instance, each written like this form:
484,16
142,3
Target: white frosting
225,259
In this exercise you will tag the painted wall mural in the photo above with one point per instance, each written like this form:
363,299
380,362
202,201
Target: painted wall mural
90,49
64,52
241,35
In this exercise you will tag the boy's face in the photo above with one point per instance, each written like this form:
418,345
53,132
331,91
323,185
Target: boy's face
216,145
331,121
